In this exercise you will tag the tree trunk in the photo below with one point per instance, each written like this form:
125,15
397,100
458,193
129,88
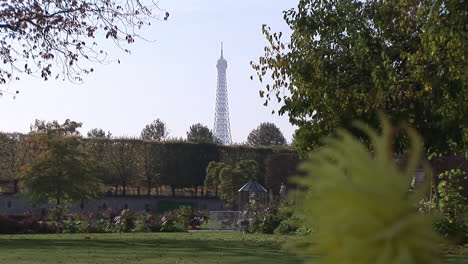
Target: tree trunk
15,186
149,187
173,191
124,188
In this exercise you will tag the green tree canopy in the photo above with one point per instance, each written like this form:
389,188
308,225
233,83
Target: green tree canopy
230,177
199,133
266,134
98,133
213,171
62,172
351,59
156,131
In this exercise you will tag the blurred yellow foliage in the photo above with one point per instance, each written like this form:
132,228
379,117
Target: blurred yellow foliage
361,204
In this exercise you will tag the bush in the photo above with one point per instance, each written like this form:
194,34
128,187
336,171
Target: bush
96,226
270,220
9,226
58,213
289,226
452,206
26,226
177,220
455,232
278,217
359,200
72,226
125,222
147,223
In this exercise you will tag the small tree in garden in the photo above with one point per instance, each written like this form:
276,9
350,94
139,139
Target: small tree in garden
233,177
213,171
361,205
451,201
452,206
230,178
62,172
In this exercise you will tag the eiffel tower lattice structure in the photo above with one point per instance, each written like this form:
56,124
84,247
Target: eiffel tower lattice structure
222,128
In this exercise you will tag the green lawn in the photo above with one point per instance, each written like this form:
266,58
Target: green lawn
200,247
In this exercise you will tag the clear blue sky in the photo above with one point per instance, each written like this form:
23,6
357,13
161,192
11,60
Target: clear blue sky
172,78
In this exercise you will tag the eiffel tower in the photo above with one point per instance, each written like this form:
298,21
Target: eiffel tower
222,128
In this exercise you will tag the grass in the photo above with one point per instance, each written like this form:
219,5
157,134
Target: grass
199,247
182,248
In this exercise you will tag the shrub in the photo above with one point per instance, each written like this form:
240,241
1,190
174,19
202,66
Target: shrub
146,222
456,232
361,204
452,206
25,226
125,222
177,220
270,220
277,217
72,226
95,226
451,200
58,213
9,226
289,226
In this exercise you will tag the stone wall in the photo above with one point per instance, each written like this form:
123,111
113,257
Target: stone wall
10,204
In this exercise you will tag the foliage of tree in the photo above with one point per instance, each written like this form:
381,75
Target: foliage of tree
212,178
249,168
8,156
266,134
124,162
351,59
184,164
199,133
452,206
230,177
451,201
345,181
98,149
98,133
63,171
230,181
151,166
7,144
156,131
16,150
54,128
53,38
280,168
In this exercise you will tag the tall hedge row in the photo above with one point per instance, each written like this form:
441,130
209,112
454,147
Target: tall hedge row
123,162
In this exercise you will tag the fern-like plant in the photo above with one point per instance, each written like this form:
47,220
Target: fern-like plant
361,205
